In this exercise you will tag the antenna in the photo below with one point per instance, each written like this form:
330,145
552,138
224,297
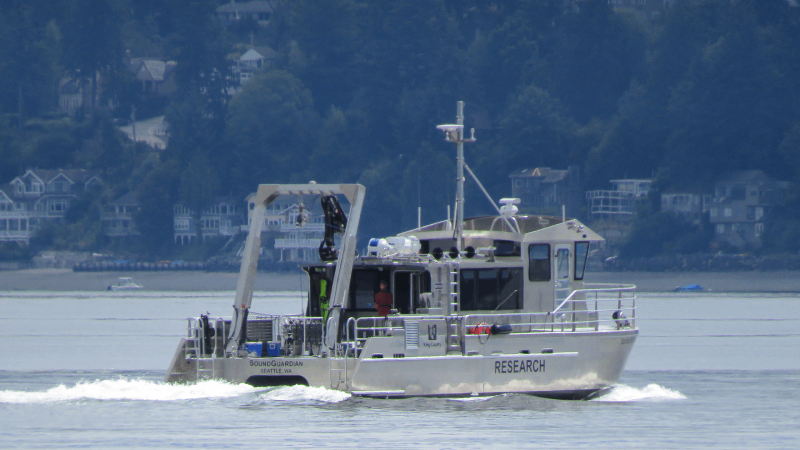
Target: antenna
455,133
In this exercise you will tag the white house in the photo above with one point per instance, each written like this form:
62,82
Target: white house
38,196
223,217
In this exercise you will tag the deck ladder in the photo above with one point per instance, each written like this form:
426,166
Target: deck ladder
454,288
205,368
453,338
338,371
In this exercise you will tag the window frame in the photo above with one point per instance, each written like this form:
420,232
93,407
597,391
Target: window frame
531,266
585,259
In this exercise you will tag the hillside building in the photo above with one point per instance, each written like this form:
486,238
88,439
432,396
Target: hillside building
741,202
38,196
544,190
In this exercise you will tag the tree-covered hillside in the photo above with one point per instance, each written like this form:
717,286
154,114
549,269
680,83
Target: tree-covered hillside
359,85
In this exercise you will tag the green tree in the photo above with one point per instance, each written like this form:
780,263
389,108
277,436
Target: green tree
198,186
29,59
535,130
591,60
92,41
328,36
664,233
272,129
728,112
158,192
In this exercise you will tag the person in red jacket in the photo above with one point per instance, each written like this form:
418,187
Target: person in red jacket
383,300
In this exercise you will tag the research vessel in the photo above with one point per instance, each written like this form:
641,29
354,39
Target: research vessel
479,306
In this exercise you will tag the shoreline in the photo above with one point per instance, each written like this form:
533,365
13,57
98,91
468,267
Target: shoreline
67,280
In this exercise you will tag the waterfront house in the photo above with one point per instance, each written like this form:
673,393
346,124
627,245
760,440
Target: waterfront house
118,217
38,196
222,218
544,190
619,202
741,203
259,10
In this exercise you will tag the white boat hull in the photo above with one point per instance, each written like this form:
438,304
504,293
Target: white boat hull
580,365
124,288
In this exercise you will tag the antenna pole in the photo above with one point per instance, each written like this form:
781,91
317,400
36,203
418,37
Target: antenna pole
455,133
459,232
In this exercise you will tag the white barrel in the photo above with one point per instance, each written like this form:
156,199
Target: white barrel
378,247
394,246
405,246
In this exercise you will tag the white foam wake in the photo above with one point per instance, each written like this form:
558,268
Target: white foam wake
650,393
304,394
125,389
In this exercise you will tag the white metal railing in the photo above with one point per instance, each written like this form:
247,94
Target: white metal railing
598,306
307,227
296,243
610,306
197,341
303,331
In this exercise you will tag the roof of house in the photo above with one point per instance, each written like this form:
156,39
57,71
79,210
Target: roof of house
151,69
744,176
256,53
74,175
128,199
218,199
547,174
5,192
632,180
69,86
245,7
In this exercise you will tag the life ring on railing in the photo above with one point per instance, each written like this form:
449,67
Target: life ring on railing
480,328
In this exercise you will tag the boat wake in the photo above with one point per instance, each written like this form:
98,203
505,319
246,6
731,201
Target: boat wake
650,393
128,389
303,395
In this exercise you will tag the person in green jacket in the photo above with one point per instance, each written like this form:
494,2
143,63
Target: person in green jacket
323,299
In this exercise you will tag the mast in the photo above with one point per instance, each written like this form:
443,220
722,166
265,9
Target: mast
455,133
459,228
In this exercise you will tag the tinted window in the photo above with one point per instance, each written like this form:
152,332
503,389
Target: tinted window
562,259
539,262
581,253
491,289
363,287
468,301
506,248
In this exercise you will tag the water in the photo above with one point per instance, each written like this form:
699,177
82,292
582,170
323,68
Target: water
85,370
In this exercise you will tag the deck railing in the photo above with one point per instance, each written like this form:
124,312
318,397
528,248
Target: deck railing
303,333
597,307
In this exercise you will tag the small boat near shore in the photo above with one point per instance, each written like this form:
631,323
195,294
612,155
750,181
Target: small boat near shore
478,306
124,284
690,288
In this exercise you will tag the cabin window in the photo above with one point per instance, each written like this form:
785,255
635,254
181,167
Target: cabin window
506,248
424,247
562,258
491,289
539,262
363,286
581,255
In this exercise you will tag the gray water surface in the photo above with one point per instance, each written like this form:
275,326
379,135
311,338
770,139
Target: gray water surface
84,369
